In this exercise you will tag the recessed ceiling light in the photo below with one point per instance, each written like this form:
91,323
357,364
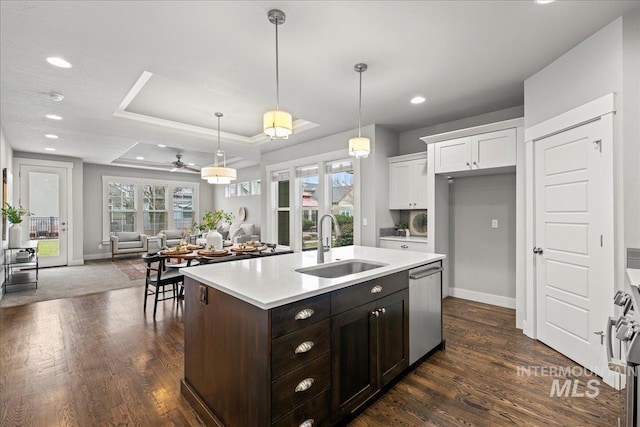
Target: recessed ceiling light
139,158
191,164
53,117
544,1
50,149
418,99
58,62
162,146
51,136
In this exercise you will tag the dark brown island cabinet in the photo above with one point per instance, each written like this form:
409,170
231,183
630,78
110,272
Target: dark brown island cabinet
309,363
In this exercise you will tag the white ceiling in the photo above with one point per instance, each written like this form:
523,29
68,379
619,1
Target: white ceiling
465,57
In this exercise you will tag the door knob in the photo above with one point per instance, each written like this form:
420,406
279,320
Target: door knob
537,251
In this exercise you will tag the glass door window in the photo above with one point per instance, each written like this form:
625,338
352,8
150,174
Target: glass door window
340,179
308,186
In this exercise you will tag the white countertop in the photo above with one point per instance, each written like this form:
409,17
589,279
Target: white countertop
633,274
417,239
271,281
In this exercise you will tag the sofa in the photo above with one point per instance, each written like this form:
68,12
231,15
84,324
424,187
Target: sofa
237,232
173,237
128,242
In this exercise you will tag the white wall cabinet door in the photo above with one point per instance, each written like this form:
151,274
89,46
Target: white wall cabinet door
408,184
482,151
453,155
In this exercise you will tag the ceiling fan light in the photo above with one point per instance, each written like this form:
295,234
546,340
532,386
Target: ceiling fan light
359,147
277,124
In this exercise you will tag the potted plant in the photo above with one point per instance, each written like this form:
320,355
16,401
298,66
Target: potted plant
14,216
403,229
210,222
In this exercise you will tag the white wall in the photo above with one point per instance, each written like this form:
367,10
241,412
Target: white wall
409,141
6,161
482,258
77,195
232,204
92,203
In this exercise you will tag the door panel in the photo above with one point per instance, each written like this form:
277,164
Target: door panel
43,190
393,335
453,156
570,273
400,177
494,149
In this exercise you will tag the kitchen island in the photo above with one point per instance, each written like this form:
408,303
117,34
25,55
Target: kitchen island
266,344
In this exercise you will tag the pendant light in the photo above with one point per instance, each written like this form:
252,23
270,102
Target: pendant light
277,123
360,146
217,174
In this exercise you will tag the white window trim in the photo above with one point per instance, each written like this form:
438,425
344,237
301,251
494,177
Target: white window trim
106,179
295,235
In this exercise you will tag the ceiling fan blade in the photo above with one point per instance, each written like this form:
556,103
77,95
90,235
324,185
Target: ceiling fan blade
192,168
174,169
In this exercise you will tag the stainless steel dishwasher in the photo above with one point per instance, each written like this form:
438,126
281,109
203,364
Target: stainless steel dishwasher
425,310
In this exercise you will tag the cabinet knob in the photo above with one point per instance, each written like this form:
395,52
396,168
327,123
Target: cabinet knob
404,246
469,165
307,423
304,347
304,385
376,289
375,313
383,310
474,162
304,314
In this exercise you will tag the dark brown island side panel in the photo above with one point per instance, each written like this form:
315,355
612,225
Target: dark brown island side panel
227,347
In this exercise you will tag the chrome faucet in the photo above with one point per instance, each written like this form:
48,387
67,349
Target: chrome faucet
321,247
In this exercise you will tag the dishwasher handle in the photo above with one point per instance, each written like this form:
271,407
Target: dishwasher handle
425,273
615,365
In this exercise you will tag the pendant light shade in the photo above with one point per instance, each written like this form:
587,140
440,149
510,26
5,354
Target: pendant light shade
277,123
218,174
360,146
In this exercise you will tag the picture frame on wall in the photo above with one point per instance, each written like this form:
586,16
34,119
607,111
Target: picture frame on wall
245,189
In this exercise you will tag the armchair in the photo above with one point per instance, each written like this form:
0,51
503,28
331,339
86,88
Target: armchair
171,237
128,242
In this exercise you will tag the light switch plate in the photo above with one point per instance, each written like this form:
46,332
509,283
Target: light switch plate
494,223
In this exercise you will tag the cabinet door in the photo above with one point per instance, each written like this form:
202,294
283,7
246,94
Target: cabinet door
419,184
353,371
453,155
393,335
400,176
494,149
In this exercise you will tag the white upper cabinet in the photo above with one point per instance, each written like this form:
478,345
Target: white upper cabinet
408,182
483,151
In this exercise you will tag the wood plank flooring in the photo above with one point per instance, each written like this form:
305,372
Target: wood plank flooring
97,360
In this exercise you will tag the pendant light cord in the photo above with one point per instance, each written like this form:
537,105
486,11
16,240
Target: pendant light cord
277,72
360,104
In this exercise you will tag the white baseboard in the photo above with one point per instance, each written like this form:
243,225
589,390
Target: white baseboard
498,300
97,256
76,262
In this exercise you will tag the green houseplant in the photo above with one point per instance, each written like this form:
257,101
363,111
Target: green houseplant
210,221
14,216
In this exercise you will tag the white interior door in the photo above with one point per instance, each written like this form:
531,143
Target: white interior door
572,270
43,191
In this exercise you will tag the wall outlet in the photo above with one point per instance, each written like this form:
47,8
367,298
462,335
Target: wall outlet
494,223
364,222
99,245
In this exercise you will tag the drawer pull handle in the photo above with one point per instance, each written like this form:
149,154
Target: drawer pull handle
304,385
307,423
304,314
304,347
404,247
376,289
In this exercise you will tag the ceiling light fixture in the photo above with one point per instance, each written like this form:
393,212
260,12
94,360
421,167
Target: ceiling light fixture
139,158
51,136
58,62
53,117
277,123
50,149
418,99
544,1
217,174
360,146
55,96
162,146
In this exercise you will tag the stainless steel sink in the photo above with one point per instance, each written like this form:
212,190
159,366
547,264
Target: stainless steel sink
341,268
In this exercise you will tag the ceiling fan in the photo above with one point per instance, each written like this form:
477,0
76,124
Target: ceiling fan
179,164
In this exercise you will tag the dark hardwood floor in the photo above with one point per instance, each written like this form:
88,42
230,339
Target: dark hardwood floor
98,360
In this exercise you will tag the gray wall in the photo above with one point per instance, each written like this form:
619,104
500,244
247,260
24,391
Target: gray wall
6,161
410,141
483,259
92,204
232,204
77,194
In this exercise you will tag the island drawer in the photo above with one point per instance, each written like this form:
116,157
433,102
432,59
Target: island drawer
314,413
299,314
299,386
297,348
363,293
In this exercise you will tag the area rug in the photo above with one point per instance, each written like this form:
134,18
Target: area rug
66,282
133,268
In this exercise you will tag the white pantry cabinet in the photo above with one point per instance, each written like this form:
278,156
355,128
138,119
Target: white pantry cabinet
475,152
408,181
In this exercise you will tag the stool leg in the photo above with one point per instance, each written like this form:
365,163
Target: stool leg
146,294
155,304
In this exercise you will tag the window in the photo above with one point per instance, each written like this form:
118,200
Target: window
245,189
340,178
121,205
147,206
281,184
308,182
230,191
256,187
